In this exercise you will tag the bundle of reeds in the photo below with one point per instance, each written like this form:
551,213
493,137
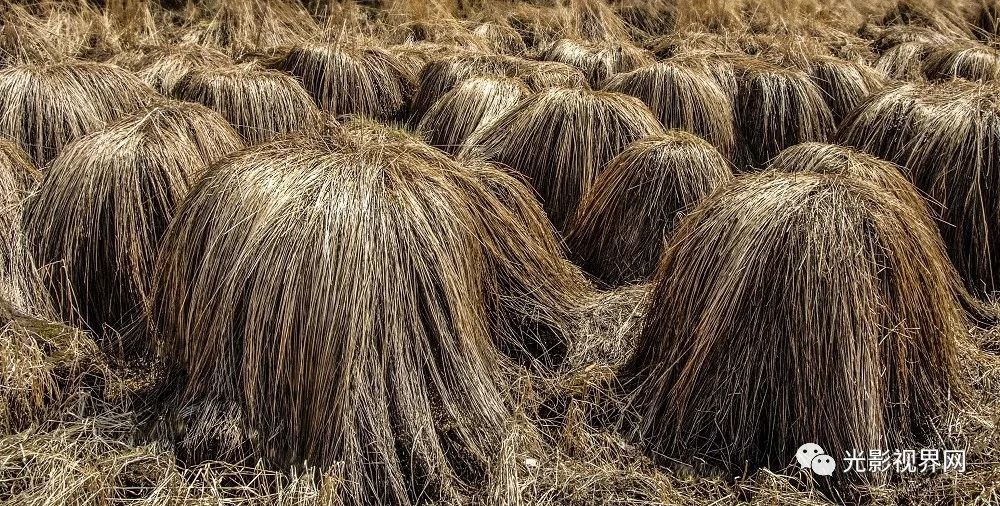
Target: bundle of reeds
560,139
469,106
598,60
844,83
352,78
684,98
952,155
904,61
47,106
885,122
974,62
777,108
363,329
162,67
779,299
441,75
105,202
259,103
623,221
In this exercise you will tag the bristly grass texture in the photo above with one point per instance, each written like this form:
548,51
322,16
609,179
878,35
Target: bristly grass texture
21,285
469,106
952,153
598,60
777,108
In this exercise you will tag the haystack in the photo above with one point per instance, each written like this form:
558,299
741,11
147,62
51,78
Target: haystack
684,98
347,78
885,122
620,228
162,67
47,106
598,60
953,155
20,284
779,299
361,332
974,62
561,138
260,104
777,108
538,75
903,62
501,38
466,108
105,202
820,158
441,75
844,83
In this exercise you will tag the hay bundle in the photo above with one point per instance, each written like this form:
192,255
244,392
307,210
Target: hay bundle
440,76
466,108
893,36
361,330
47,106
684,98
105,202
903,62
779,298
538,75
883,123
501,38
719,64
777,108
162,67
619,230
844,83
953,155
352,79
598,60
823,158
974,62
260,104
20,284
561,138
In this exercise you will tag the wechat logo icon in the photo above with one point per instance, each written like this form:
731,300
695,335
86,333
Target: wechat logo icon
811,456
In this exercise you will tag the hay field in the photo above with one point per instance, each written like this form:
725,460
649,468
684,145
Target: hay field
510,252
